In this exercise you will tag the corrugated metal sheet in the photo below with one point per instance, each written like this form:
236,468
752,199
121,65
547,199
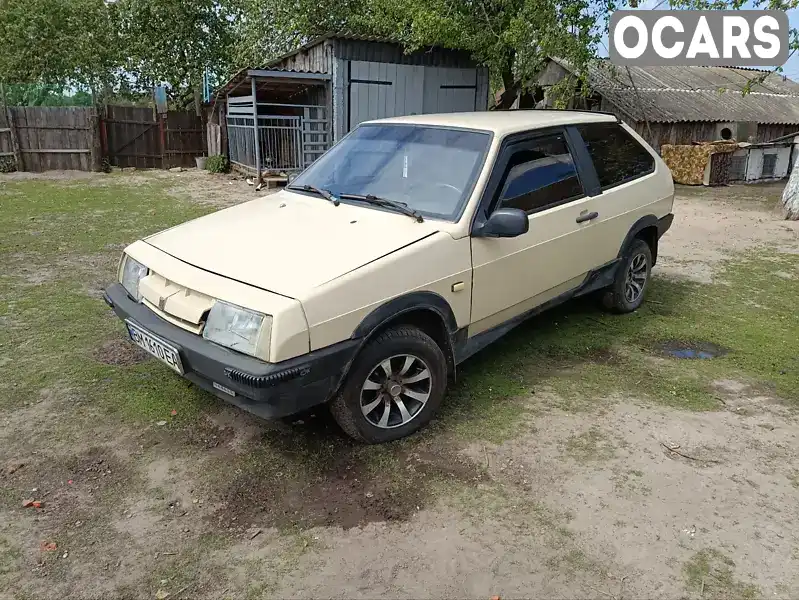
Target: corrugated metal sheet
676,94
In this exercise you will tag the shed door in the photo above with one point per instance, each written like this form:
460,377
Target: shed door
450,90
381,90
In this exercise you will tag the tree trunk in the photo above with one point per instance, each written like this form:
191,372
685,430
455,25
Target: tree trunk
508,96
790,196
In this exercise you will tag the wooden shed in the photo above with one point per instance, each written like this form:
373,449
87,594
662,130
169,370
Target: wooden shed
299,104
683,105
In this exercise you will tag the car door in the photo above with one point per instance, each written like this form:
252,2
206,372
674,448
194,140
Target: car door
625,172
550,178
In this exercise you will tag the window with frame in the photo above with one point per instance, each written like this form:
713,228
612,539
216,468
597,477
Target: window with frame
769,165
617,156
539,175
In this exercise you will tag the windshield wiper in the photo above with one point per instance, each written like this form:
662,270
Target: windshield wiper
386,203
326,194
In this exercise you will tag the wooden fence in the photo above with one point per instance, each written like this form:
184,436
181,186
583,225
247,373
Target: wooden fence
133,138
44,138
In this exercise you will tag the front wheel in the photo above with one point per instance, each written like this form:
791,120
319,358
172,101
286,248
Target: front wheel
394,387
627,292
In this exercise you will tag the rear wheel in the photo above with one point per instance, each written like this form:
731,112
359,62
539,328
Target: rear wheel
627,292
394,387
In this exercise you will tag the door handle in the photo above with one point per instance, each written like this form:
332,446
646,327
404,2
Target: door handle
587,217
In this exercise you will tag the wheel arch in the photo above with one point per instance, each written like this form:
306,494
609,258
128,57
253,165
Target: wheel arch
428,311
646,229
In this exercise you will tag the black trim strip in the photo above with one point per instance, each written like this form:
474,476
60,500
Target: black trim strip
349,96
372,81
511,144
458,87
595,280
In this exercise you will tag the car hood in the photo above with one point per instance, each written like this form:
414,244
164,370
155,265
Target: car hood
288,242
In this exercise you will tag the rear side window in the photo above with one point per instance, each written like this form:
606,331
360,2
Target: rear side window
617,156
540,175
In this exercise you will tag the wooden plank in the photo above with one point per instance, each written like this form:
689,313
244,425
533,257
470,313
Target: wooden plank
10,122
57,151
56,127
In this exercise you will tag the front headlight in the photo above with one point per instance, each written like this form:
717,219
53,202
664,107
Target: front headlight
234,327
132,272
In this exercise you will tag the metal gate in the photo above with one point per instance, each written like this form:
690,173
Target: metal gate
281,142
286,142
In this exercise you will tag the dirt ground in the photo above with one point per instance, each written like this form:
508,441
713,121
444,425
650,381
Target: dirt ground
601,495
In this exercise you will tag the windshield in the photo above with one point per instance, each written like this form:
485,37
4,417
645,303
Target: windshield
431,169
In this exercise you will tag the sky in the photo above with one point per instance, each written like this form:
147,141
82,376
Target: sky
790,69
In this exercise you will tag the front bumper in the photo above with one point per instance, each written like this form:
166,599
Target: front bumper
269,390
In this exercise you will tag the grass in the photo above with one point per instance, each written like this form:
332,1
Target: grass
585,356
575,561
58,242
57,239
710,573
591,445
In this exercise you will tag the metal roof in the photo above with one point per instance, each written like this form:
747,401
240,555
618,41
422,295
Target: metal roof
674,94
276,75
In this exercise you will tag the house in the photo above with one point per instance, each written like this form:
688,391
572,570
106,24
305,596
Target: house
308,99
684,105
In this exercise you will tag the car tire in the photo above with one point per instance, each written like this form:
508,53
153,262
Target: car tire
632,277
402,371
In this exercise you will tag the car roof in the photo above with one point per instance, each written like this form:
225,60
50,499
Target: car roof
503,122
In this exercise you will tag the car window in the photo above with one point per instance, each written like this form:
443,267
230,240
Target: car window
540,175
431,169
617,156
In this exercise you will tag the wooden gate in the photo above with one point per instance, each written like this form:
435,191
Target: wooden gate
133,138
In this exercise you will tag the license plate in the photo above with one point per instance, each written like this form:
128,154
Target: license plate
164,352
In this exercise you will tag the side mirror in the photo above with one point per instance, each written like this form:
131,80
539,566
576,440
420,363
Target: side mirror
505,222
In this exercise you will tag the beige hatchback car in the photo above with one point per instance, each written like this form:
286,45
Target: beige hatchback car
405,249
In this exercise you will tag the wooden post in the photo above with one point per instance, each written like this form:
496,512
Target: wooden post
162,138
255,130
95,139
13,129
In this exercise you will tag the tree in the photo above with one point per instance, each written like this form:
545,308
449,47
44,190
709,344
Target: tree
173,41
511,37
64,42
790,196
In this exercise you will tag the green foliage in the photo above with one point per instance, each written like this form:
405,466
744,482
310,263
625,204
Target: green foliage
40,94
173,41
7,164
57,41
121,46
217,164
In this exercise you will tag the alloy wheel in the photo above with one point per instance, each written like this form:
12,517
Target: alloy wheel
396,391
636,278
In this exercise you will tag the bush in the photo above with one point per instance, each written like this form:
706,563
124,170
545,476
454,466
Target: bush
7,164
217,164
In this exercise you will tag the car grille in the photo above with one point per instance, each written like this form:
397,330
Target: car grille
175,303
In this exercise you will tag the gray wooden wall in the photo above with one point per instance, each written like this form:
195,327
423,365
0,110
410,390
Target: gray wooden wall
698,131
51,138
